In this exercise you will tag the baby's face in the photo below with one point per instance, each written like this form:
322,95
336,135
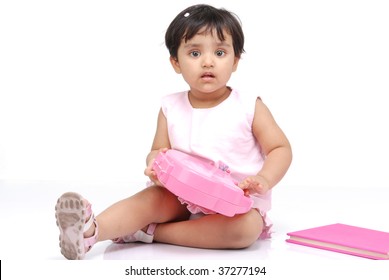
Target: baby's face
205,62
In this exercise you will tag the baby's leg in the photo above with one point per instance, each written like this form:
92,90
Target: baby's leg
213,231
151,205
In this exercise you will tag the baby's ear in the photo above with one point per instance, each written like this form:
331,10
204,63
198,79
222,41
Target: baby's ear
176,65
236,62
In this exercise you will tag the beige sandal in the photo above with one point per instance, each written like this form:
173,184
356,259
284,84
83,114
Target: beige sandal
138,236
74,217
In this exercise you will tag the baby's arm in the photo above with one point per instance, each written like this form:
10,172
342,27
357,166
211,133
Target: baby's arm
161,143
277,150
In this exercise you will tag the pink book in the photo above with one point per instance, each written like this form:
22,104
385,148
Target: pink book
345,239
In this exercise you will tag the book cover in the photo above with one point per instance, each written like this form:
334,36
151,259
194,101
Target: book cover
358,241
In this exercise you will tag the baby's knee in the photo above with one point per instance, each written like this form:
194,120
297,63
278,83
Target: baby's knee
246,230
155,194
164,204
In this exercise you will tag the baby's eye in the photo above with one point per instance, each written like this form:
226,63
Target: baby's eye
195,53
220,52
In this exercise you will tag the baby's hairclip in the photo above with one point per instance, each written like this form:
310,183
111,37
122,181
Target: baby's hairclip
187,14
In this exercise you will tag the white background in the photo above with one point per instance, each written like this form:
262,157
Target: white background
80,89
81,83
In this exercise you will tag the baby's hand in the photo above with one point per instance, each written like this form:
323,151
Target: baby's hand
254,185
149,171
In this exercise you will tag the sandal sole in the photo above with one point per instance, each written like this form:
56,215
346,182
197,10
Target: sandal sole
70,212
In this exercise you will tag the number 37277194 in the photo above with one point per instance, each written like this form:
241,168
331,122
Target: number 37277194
241,270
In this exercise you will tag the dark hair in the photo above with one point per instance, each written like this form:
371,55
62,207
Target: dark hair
189,22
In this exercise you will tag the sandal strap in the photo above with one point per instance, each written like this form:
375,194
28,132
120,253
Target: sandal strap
140,235
151,229
148,236
89,223
143,237
90,241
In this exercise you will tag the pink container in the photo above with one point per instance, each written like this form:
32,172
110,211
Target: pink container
199,181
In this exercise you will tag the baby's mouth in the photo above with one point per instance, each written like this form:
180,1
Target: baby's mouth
207,75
